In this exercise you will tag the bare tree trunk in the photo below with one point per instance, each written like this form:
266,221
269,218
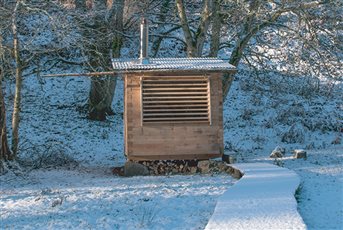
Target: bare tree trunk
162,19
216,26
227,82
100,98
5,152
102,90
244,37
195,43
117,43
18,82
191,45
117,20
200,35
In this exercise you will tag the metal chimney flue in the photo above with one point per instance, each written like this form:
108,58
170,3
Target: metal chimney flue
144,56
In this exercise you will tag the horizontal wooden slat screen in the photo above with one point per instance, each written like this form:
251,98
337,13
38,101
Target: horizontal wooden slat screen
175,99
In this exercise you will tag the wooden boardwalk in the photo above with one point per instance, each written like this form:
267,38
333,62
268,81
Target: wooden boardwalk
262,199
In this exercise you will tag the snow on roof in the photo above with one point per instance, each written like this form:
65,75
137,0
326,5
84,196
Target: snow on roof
172,64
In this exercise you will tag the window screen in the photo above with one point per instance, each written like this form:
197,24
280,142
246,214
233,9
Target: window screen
172,99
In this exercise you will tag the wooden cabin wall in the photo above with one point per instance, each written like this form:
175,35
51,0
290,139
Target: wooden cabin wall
171,141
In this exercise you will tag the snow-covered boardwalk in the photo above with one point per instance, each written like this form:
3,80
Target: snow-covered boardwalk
262,199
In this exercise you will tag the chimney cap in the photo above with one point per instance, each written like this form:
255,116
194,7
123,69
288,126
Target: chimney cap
144,20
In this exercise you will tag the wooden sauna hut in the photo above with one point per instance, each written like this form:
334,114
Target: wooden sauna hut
173,107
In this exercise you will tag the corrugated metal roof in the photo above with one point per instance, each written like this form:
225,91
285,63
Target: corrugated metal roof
165,64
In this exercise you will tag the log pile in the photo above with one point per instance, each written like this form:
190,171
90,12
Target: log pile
168,167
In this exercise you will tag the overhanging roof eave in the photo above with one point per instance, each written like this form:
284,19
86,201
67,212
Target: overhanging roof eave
200,71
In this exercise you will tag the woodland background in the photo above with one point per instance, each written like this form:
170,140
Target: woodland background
265,40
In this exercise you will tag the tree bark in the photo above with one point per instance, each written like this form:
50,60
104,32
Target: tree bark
162,19
227,82
200,35
195,43
100,98
216,26
191,45
18,82
117,43
5,152
103,89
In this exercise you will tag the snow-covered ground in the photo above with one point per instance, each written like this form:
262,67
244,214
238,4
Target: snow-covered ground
320,196
260,114
94,199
